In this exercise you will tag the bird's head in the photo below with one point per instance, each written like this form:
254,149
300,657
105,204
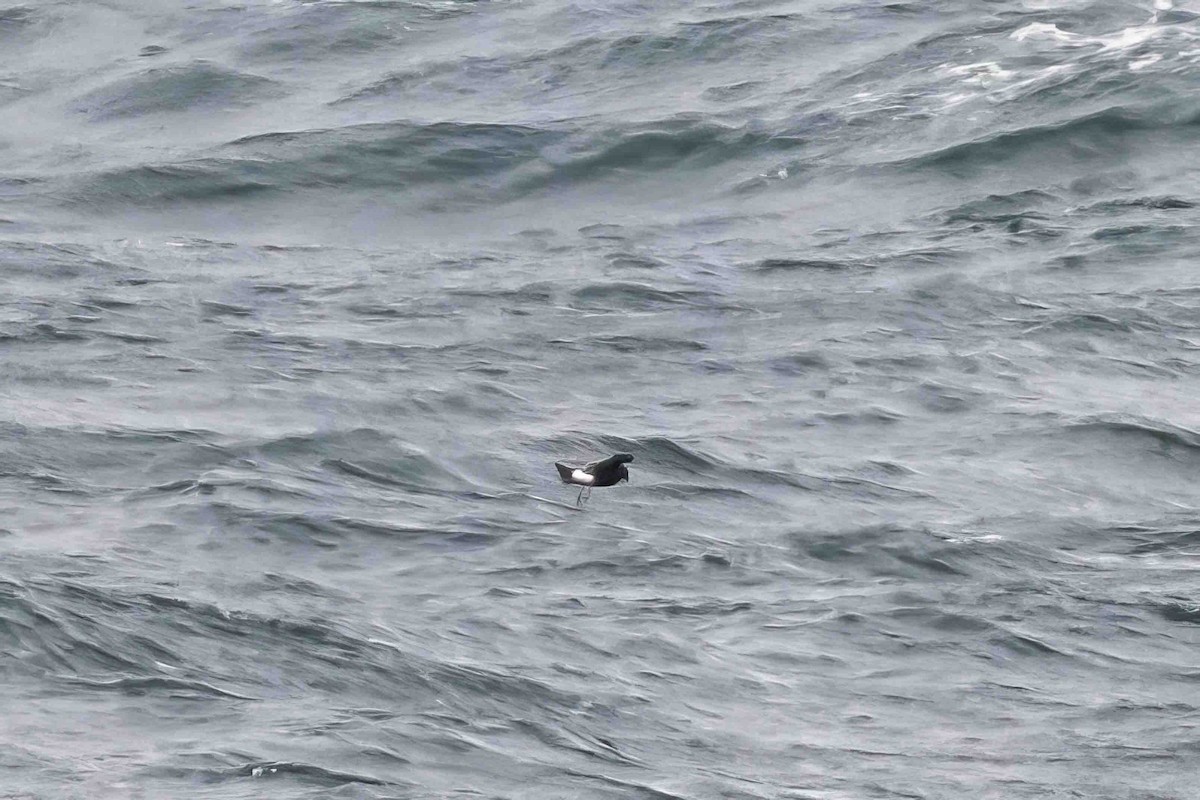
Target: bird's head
623,458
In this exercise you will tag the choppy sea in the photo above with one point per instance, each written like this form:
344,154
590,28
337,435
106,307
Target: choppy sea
895,304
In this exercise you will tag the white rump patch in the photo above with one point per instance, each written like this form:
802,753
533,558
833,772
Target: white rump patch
582,478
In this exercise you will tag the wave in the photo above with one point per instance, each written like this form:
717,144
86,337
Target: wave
627,296
1102,130
20,21
372,156
200,86
881,550
707,475
61,261
477,162
1150,202
1179,612
706,40
1003,208
80,634
595,57
633,344
173,687
785,264
303,773
1153,432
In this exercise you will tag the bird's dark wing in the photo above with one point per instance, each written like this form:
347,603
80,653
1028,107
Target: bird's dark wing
602,465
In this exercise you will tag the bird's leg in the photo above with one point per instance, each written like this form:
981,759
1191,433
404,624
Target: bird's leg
579,500
588,496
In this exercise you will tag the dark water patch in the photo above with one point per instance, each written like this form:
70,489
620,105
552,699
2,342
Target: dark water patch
803,362
706,40
564,737
327,31
59,261
881,550
1175,16
324,530
396,153
604,231
371,156
108,303
696,607
940,620
1179,612
411,678
635,344
23,21
920,257
52,629
1002,208
733,92
262,338
634,261
173,687
1118,321
943,398
691,491
863,487
682,142
1152,202
1120,232
257,485
212,309
401,81
130,337
1163,541
538,292
307,775
196,181
1098,132
1155,432
46,332
386,465
873,415
104,460
451,536
625,296
780,264
628,566
200,86
1023,644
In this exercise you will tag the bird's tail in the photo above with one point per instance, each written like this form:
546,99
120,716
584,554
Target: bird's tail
564,471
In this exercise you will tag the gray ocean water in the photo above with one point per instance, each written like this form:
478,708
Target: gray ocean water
895,304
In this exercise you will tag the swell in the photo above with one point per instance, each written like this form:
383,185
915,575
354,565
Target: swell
1153,432
477,161
616,58
83,635
883,551
1103,130
199,86
683,469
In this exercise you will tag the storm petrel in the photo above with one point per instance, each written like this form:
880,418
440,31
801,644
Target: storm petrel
608,472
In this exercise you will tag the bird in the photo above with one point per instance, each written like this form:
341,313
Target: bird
606,472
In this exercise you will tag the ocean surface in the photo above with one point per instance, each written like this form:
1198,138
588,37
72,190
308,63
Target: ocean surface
895,304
